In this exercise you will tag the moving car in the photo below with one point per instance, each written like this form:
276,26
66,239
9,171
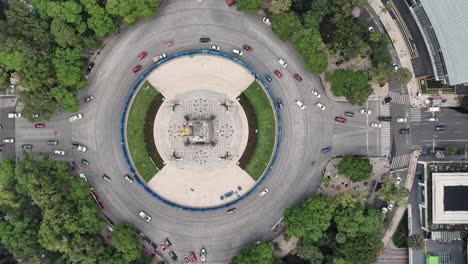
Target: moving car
205,39
282,63
144,216
26,146
314,92
142,55
214,47
247,48
300,104
40,125
89,99
268,77
53,142
203,255
162,246
230,2
298,77
401,120
326,150
193,257
59,152
385,118
159,57
398,181
78,147
238,52
321,106
280,103
169,44
85,162
128,178
136,68
232,210
440,128
173,255
278,73
106,178
83,176
167,242
8,140
265,191
405,131
350,114
266,20
340,119
14,115
75,117
365,111
375,124
186,260
432,119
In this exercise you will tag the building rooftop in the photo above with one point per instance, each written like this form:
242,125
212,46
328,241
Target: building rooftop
449,20
449,205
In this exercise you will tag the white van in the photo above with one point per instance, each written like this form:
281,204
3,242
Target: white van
75,117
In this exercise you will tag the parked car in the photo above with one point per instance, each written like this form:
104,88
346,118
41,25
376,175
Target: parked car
247,48
282,63
314,92
371,29
162,246
432,119
89,99
405,131
232,210
375,124
266,20
395,66
391,205
300,104
39,125
144,216
340,119
14,115
326,150
78,147
159,57
401,120
205,39
365,111
280,103
169,44
136,68
8,140
106,178
95,197
89,69
398,181
278,73
142,55
238,52
265,191
193,257
167,242
83,176
128,178
173,255
214,47
59,152
26,146
75,117
298,77
203,255
384,211
440,128
52,142
268,77
186,260
321,106
350,114
85,162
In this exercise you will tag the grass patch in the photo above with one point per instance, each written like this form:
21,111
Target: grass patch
400,238
266,130
135,131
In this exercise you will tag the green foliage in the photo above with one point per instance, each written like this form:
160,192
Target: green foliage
100,21
4,78
352,222
416,242
351,84
66,99
258,254
311,219
403,75
37,102
309,44
450,150
311,20
123,239
378,43
68,11
345,199
465,102
248,5
284,25
389,192
280,6
64,34
130,11
326,181
69,64
381,73
355,168
349,36
310,252
317,63
362,249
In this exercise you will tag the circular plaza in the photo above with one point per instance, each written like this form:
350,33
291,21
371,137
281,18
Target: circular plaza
200,130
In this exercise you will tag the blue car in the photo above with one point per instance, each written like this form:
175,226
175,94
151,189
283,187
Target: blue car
268,77
326,150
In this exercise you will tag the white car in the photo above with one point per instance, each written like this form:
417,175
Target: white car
106,178
128,178
371,29
432,119
8,140
384,211
398,182
321,106
266,20
59,152
395,66
401,120
75,117
300,104
262,193
145,216
83,176
316,93
391,205
374,124
214,47
14,115
159,57
238,52
78,147
365,111
282,63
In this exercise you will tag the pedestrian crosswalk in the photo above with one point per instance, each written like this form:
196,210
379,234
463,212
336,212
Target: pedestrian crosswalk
398,98
415,115
384,109
400,161
385,139
7,101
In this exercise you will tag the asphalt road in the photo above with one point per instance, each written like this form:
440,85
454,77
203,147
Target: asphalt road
305,132
7,131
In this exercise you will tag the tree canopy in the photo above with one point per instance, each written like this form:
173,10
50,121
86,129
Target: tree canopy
285,24
403,75
308,43
351,84
248,5
279,6
355,168
130,11
259,254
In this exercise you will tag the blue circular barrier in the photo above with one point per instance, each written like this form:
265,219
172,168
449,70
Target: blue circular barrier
127,105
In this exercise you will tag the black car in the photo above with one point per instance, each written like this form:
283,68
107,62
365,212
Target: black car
387,100
280,103
85,162
268,77
385,118
89,69
205,39
440,128
88,99
167,242
52,142
26,146
173,255
232,210
405,131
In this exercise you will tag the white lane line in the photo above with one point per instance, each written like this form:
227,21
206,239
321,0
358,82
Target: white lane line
367,130
442,140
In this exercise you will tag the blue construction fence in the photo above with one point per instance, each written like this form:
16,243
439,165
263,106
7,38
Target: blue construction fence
127,106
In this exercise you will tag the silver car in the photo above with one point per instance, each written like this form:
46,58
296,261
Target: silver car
144,216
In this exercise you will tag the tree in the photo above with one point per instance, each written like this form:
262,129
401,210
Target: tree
100,21
349,36
248,5
362,249
311,20
381,73
355,168
317,63
284,25
389,192
259,254
123,237
66,99
280,6
351,84
64,34
309,44
403,75
4,78
451,150
345,199
69,64
310,253
416,242
37,102
465,102
68,11
130,11
352,222
311,219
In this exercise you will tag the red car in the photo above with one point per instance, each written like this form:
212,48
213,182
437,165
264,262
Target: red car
93,193
169,44
186,260
278,73
136,68
163,246
193,256
340,119
142,55
298,77
40,125
247,48
230,2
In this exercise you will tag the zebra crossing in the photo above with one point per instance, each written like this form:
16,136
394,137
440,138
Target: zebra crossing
385,138
400,161
398,98
415,115
7,101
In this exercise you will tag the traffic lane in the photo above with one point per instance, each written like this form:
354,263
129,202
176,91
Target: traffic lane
7,131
